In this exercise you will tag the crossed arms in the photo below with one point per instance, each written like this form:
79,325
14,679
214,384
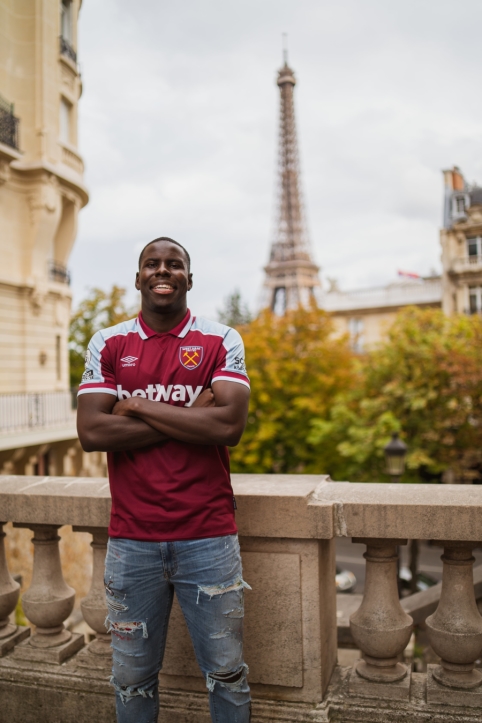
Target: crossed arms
218,416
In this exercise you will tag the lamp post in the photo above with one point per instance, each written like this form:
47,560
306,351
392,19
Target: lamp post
395,453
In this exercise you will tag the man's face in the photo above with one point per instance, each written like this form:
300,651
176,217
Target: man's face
163,278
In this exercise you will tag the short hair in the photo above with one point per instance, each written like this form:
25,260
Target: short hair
171,241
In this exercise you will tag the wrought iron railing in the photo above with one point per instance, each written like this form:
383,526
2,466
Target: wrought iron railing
58,272
8,124
67,50
29,410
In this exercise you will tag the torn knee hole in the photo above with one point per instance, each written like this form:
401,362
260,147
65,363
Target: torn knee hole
127,692
212,590
126,630
230,679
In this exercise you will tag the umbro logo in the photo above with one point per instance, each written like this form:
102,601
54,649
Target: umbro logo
129,361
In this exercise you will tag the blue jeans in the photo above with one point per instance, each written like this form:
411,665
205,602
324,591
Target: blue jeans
140,580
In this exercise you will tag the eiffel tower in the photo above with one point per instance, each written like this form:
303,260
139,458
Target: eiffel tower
291,274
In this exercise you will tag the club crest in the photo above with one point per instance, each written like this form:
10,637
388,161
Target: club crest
191,356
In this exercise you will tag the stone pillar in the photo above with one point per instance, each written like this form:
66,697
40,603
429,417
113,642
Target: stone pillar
10,634
93,606
48,602
380,627
455,630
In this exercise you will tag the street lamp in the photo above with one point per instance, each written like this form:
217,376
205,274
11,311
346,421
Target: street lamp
395,453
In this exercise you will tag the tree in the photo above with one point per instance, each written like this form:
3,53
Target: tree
297,368
425,382
235,312
98,310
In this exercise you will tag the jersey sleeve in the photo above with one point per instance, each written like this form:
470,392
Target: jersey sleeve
99,372
230,364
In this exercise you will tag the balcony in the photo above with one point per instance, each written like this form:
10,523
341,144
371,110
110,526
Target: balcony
30,410
67,50
464,264
287,526
8,125
58,272
28,419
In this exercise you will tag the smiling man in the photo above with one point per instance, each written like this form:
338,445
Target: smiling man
163,395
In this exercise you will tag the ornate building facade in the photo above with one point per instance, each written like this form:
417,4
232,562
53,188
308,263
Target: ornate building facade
461,241
41,193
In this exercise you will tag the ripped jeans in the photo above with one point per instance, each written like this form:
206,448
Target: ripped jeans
140,581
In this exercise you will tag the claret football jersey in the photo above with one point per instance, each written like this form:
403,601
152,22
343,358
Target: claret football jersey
174,490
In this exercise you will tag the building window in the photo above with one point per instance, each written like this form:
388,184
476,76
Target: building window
66,20
356,327
460,204
8,124
66,31
474,246
64,123
475,299
58,357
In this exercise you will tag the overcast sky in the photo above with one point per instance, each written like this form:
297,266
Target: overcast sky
179,133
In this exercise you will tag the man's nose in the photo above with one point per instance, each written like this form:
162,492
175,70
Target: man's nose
163,270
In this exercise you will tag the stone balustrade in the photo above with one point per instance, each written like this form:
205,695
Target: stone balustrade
287,526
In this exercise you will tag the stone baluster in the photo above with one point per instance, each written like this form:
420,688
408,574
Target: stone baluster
380,627
455,631
93,606
48,602
10,634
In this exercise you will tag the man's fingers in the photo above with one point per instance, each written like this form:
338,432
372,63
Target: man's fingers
205,399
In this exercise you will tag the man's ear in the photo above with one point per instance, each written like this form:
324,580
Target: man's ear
189,282
137,281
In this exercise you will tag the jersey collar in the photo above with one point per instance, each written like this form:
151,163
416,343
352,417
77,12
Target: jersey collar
145,332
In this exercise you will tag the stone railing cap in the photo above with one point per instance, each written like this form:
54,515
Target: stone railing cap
292,506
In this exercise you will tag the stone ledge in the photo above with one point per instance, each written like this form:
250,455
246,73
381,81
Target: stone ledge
361,688
437,693
42,693
299,506
342,707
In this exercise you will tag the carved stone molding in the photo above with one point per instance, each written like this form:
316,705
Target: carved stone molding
4,171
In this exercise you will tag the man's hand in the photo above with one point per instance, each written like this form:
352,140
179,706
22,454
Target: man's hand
205,399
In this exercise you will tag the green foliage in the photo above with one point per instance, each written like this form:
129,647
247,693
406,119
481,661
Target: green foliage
235,312
99,310
425,381
297,369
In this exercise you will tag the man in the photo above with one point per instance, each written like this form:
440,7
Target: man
163,395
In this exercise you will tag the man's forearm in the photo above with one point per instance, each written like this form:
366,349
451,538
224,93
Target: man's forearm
112,433
210,425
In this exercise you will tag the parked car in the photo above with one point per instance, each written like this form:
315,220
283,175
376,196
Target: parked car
345,581
424,581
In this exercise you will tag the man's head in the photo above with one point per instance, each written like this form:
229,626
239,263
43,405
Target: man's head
164,276
171,240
